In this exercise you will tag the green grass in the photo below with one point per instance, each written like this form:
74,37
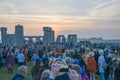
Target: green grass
4,75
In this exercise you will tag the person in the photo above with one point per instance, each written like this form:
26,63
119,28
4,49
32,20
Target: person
35,55
35,69
25,55
16,55
55,73
81,62
10,61
84,75
22,71
91,65
107,70
21,59
76,68
74,75
101,60
117,70
96,56
45,74
45,61
111,66
0,58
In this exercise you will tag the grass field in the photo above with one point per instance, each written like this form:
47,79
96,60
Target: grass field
4,75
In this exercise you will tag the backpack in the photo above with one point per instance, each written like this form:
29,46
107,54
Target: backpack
104,65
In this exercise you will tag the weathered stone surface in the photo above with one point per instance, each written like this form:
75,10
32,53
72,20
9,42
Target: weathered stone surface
13,39
19,35
72,38
48,35
61,39
18,38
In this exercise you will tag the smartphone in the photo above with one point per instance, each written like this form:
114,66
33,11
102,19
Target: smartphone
64,69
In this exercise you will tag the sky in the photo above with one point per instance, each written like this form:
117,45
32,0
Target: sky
86,18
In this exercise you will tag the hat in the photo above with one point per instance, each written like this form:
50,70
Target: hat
45,60
75,61
63,57
37,59
101,52
109,55
91,54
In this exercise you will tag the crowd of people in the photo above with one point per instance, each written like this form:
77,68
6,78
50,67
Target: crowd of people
81,61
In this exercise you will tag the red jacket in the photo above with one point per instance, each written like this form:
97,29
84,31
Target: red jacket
91,64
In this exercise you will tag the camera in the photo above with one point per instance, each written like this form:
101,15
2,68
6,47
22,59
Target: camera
64,69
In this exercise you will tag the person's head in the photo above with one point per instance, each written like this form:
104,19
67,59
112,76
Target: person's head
91,54
45,74
110,56
68,59
36,51
76,62
115,51
101,52
76,68
10,51
68,54
22,70
58,55
37,60
86,51
59,61
45,60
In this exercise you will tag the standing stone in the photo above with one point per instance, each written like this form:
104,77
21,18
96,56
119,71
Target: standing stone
19,36
72,38
7,39
64,39
48,35
37,38
4,34
52,36
61,39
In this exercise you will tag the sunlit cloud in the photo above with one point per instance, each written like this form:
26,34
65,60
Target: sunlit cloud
64,16
107,10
